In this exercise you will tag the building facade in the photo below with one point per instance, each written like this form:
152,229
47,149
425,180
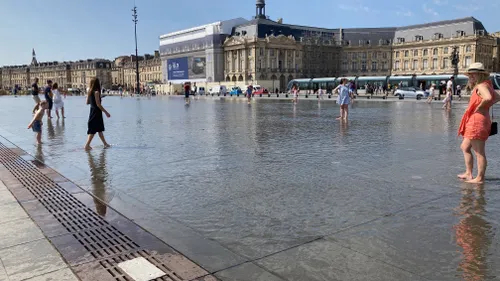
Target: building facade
196,54
426,49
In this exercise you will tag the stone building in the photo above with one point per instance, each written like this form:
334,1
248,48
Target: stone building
83,71
427,48
150,70
15,75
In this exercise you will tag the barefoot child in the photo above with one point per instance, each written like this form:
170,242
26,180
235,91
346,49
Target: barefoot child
36,123
58,102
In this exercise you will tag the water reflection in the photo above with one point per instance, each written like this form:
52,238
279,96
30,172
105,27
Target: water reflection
59,127
99,179
50,130
39,154
473,233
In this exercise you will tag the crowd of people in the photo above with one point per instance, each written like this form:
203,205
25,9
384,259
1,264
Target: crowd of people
54,101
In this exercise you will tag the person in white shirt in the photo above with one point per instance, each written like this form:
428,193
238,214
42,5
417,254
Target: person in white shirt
58,101
431,93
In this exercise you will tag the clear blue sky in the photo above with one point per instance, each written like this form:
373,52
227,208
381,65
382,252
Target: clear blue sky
79,29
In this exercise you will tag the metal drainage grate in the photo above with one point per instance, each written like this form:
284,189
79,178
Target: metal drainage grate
102,240
111,265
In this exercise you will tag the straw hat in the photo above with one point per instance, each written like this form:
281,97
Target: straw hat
476,67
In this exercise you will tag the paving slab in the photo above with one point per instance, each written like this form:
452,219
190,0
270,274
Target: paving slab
324,260
31,259
11,212
5,195
3,274
60,275
247,272
18,232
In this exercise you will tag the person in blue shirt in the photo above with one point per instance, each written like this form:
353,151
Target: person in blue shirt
48,97
249,93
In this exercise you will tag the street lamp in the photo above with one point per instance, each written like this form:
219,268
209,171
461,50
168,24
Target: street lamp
135,20
455,60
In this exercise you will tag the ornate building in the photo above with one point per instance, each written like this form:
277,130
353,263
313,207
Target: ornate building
150,70
427,48
83,71
249,59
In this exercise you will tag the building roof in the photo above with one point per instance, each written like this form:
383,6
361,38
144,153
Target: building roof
477,24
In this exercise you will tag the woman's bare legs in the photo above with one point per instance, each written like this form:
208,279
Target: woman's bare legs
101,136
62,112
89,140
57,113
479,149
341,112
346,111
466,147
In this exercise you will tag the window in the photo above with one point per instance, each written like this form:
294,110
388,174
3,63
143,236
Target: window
446,63
384,55
374,66
434,63
272,52
396,65
468,61
363,65
407,53
384,65
414,65
415,53
435,52
425,63
354,55
468,49
364,55
397,54
405,65
261,51
445,50
344,65
354,65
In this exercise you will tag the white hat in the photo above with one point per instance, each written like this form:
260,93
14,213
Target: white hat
476,67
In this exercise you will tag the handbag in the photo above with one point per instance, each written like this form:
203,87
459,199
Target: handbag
494,125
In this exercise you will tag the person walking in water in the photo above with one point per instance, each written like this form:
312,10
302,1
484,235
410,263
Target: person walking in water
35,90
187,92
58,101
447,100
96,122
249,93
475,126
343,99
432,89
48,97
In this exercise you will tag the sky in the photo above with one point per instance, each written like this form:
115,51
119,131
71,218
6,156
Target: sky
63,30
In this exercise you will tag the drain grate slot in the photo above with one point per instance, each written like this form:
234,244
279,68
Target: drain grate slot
105,242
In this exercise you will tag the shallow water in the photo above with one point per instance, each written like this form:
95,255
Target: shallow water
263,180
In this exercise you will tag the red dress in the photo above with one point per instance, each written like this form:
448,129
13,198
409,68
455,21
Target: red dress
476,126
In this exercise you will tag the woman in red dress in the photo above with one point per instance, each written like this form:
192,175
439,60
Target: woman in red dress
476,122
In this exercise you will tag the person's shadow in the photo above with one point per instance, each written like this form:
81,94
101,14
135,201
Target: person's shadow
474,233
99,178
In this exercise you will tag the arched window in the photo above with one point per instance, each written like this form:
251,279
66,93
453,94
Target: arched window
407,53
445,50
435,51
468,49
426,52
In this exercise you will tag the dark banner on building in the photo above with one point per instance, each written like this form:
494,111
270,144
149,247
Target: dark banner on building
186,68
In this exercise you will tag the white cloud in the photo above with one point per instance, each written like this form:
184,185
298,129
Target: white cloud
357,7
468,8
440,2
429,10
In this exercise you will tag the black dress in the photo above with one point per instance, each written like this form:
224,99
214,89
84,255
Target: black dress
96,123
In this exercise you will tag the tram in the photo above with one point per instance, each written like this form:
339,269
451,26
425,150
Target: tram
417,81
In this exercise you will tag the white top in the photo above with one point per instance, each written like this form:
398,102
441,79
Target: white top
431,91
57,96
449,85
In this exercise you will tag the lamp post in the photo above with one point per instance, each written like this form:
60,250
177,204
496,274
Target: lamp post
455,60
135,20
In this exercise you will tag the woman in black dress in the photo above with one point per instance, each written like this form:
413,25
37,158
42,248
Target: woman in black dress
96,123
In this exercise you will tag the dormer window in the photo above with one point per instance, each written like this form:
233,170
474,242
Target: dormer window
460,33
438,35
419,38
401,40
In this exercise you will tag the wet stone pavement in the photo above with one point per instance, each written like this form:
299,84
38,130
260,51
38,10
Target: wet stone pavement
267,191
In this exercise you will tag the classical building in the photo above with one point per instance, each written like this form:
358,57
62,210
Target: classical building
150,70
196,54
427,48
66,74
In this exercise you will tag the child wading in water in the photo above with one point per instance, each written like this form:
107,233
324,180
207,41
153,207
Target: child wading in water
36,123
447,100
58,102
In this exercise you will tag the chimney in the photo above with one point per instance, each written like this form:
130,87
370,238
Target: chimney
157,54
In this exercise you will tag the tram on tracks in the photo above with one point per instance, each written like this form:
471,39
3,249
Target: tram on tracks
361,82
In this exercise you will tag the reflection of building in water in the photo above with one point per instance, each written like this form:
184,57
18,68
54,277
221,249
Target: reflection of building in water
473,234
99,178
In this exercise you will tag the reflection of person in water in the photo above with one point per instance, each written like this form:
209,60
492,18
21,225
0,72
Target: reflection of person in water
51,134
99,177
473,234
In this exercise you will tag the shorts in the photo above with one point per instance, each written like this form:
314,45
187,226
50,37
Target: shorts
37,126
36,98
186,94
